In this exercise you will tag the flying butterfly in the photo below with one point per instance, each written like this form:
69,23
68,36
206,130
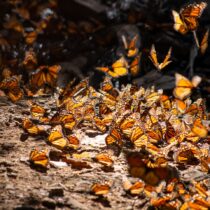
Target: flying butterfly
153,58
134,66
199,129
187,19
39,158
204,42
118,68
45,75
184,86
131,48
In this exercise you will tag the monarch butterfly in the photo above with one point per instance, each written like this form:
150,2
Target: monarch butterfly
57,139
192,137
137,188
81,90
114,138
134,66
165,102
15,94
102,109
156,163
171,185
138,137
45,75
152,98
12,87
184,86
158,202
30,37
149,190
108,87
131,48
155,136
187,19
37,111
204,205
100,189
186,156
30,60
109,100
204,42
67,120
32,129
100,124
126,125
199,129
180,188
104,159
39,157
118,68
201,189
73,142
153,58
170,132
181,105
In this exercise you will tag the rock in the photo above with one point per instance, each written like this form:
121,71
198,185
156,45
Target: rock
56,192
49,203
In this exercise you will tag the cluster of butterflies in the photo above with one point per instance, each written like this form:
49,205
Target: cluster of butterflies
170,194
42,81
129,64
20,12
158,129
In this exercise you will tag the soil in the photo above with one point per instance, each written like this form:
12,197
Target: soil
25,187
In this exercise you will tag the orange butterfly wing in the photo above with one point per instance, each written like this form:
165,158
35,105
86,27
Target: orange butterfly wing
39,158
57,139
183,87
204,42
191,13
134,66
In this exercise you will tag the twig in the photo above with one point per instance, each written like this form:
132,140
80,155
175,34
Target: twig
193,54
196,39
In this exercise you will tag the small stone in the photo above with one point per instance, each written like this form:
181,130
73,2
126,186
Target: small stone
24,137
56,192
49,203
